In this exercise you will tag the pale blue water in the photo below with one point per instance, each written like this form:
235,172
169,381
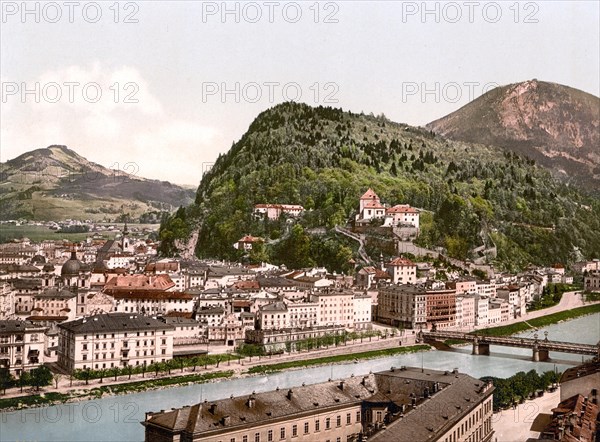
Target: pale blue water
118,418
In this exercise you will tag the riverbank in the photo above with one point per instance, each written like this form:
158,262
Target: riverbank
541,321
76,395
74,391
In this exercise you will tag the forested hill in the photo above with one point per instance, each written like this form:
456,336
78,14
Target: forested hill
325,158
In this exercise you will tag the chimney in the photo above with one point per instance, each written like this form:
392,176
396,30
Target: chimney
290,394
226,420
251,402
341,386
213,408
426,393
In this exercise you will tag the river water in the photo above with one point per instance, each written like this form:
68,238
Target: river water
118,418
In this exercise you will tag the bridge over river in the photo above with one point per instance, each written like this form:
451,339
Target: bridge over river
540,347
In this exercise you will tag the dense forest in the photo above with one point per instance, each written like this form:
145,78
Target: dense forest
324,159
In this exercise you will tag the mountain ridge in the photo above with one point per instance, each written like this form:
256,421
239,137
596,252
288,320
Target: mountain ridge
56,182
556,125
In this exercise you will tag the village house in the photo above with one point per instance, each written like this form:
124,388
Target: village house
591,282
247,242
370,208
274,211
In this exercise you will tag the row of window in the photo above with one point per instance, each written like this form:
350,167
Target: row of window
305,428
112,335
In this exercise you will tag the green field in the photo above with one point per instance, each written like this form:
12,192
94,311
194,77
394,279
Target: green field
39,233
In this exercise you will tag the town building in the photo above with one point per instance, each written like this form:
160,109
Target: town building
113,340
402,271
591,282
21,346
392,406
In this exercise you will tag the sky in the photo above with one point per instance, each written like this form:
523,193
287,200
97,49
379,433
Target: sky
168,86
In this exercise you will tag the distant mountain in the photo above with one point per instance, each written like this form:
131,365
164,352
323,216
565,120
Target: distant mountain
555,125
325,159
55,183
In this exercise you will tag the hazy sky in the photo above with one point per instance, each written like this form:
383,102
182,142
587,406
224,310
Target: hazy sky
180,81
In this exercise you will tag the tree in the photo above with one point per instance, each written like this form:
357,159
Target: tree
6,379
24,379
113,371
40,377
57,377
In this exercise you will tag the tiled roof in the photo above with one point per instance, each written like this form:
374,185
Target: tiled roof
400,262
15,325
142,282
249,410
114,322
402,208
369,194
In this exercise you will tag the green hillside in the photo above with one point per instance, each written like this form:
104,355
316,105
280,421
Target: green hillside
325,158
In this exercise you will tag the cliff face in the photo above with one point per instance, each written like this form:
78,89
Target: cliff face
556,125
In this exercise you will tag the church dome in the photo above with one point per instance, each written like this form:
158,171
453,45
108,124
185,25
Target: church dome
71,267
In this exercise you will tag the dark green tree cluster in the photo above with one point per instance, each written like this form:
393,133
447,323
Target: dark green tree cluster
520,386
38,377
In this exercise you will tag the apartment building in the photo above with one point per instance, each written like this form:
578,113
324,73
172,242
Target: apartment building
113,340
393,406
21,345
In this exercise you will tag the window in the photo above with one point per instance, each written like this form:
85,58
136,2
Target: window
338,422
282,433
294,430
244,438
232,439
327,423
270,436
305,427
256,437
317,426
348,419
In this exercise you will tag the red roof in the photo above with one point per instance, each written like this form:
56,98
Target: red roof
249,238
402,208
369,195
400,262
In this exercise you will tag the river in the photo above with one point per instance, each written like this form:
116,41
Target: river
117,418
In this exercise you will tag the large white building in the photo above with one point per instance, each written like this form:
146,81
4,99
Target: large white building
113,340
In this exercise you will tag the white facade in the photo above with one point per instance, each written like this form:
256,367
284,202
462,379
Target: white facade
21,346
113,340
362,311
402,271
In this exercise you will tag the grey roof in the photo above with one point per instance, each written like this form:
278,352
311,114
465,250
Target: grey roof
432,417
56,293
225,271
275,307
275,281
178,320
455,396
269,406
15,325
114,322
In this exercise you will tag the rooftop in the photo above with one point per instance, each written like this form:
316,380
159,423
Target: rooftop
114,322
